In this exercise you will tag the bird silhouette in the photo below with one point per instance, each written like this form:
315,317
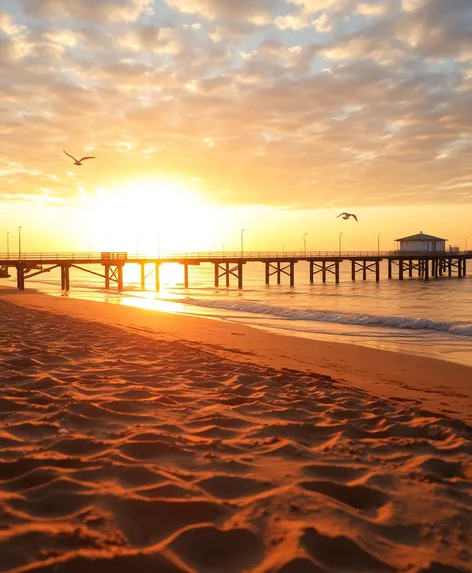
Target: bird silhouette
347,215
77,161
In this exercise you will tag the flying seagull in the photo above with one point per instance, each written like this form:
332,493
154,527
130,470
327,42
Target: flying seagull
347,215
77,161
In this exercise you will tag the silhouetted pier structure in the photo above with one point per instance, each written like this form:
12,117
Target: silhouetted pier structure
230,265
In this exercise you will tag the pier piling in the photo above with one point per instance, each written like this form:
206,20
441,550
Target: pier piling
143,276
186,276
426,265
20,277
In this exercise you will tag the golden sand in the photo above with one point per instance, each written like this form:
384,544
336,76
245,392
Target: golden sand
137,441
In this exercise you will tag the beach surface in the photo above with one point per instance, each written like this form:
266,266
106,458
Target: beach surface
133,440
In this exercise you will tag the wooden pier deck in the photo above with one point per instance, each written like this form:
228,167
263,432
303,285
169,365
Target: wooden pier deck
227,265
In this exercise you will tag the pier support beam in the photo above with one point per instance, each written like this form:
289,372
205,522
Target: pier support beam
278,273
377,271
65,278
114,273
353,270
449,268
322,267
426,269
389,268
120,277
186,276
157,273
227,270
292,274
410,268
20,276
400,269
240,275
143,276
267,273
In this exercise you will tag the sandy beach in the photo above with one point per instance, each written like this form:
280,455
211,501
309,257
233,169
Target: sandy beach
133,440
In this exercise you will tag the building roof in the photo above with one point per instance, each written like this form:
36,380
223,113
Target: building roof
422,237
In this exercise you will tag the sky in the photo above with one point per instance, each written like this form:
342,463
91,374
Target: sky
206,117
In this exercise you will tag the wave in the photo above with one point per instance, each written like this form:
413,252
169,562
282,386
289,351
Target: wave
402,322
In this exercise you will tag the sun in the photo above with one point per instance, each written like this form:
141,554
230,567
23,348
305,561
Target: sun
150,214
160,197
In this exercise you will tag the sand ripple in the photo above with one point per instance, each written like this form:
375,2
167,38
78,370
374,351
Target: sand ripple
122,453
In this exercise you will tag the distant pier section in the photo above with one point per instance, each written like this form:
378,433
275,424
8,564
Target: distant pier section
323,266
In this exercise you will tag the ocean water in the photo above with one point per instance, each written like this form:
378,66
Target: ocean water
413,316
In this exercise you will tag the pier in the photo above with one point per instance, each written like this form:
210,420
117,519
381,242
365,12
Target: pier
324,266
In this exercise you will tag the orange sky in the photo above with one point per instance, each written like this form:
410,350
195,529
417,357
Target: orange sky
207,117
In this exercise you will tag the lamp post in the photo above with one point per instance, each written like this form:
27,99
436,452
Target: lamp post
19,242
304,241
378,243
242,242
8,244
340,241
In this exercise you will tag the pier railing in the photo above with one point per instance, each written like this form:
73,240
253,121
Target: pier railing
199,255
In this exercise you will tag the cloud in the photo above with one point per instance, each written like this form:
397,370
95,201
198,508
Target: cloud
111,11
373,8
236,94
254,10
322,23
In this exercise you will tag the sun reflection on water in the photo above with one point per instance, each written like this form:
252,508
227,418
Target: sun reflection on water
149,301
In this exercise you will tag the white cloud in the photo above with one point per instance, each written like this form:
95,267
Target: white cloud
373,9
412,5
322,23
7,26
292,22
106,10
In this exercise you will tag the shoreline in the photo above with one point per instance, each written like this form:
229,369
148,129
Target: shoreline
439,385
416,341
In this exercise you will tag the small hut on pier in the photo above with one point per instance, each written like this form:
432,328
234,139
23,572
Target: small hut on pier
421,243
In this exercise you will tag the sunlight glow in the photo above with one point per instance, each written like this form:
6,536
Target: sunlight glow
147,216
